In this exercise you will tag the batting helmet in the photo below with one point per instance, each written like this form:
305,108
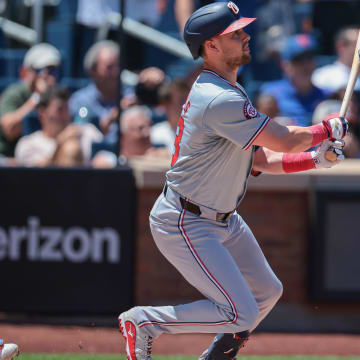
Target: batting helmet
215,19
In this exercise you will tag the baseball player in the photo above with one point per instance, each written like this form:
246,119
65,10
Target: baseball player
8,351
221,138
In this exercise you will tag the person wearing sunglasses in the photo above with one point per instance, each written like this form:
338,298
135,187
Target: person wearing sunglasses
38,73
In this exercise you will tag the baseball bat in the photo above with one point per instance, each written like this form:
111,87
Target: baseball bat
330,155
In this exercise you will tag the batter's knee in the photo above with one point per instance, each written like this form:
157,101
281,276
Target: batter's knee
270,295
252,316
247,317
275,290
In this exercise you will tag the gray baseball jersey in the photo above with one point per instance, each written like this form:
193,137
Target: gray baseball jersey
213,150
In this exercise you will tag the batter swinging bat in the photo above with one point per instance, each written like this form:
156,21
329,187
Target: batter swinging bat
330,155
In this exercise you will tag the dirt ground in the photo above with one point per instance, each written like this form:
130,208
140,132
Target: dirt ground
59,339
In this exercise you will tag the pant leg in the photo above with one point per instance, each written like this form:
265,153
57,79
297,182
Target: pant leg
194,246
245,250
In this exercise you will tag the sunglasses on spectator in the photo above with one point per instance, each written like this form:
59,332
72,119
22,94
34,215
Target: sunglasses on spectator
50,70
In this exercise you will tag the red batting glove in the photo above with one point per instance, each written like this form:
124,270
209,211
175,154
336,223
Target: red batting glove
336,126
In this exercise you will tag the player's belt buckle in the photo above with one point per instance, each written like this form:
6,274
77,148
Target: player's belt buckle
224,217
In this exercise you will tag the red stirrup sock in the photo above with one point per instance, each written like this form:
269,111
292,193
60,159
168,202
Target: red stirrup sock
297,162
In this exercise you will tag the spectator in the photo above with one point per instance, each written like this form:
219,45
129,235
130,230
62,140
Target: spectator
275,23
135,139
267,104
172,97
147,88
93,14
59,142
135,131
98,100
295,94
38,74
335,76
147,91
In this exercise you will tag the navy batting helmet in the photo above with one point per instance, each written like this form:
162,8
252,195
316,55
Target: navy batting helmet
215,19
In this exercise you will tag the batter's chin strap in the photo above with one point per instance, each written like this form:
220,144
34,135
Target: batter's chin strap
226,346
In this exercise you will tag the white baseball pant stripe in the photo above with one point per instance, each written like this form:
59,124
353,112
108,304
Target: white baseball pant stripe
222,260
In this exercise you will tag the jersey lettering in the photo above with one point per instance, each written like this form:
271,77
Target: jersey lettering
179,134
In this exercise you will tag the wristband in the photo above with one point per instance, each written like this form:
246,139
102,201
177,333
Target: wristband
297,162
320,133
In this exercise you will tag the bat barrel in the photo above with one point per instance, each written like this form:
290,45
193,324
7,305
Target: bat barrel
352,79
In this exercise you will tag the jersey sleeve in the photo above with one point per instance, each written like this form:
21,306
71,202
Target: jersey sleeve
233,117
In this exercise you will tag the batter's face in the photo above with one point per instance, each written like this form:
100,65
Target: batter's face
234,48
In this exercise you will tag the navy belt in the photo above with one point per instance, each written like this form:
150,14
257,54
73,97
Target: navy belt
195,209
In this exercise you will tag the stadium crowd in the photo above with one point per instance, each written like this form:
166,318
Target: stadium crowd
105,123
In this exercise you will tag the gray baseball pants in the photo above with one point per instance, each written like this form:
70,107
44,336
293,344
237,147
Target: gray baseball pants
222,260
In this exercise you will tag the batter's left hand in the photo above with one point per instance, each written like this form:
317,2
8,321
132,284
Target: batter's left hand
333,148
336,126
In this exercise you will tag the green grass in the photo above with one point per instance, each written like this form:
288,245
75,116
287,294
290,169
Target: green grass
171,357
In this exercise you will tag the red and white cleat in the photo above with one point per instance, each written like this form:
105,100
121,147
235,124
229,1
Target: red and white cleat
138,344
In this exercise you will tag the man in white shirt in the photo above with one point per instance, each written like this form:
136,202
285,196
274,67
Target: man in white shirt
59,142
333,77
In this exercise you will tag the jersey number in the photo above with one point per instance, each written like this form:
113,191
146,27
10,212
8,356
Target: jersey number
179,134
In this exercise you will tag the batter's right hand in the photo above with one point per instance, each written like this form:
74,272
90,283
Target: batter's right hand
336,126
327,147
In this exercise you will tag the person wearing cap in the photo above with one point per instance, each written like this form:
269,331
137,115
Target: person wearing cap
335,76
221,138
297,97
38,74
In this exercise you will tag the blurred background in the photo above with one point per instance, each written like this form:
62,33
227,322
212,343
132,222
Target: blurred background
90,95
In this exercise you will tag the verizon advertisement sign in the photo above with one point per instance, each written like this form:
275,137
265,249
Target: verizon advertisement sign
50,243
66,240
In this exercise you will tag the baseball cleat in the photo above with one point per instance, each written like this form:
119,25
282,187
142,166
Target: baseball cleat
138,345
8,351
225,346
